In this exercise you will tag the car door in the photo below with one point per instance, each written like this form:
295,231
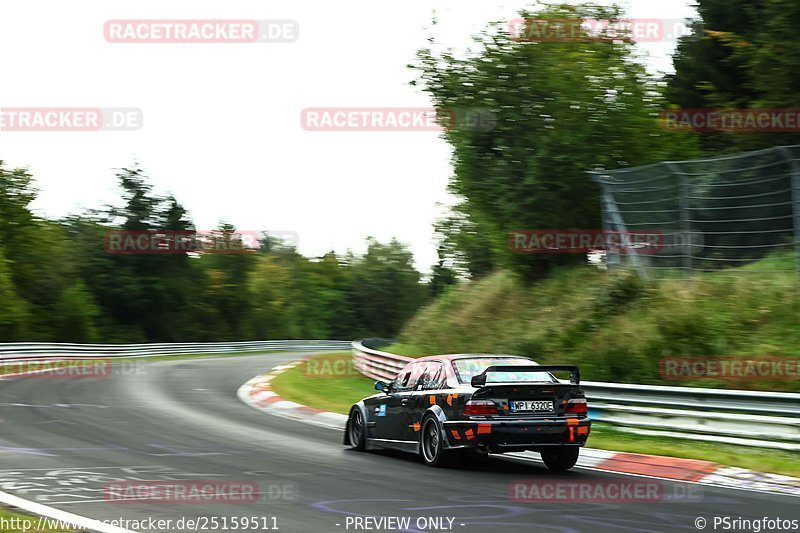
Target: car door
431,382
390,412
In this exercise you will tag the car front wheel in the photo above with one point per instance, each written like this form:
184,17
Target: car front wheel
562,458
355,430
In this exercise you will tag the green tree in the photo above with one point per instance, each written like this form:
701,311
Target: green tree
442,276
386,289
748,57
14,315
472,247
76,315
558,109
41,263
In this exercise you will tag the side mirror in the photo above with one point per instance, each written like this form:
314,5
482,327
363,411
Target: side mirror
381,386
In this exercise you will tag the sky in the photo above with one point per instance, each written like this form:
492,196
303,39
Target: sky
221,126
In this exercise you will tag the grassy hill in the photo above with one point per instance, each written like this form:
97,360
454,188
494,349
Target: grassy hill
618,328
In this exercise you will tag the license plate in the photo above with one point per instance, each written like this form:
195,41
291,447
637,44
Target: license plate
532,406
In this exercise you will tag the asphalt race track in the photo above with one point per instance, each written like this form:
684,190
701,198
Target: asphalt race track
63,440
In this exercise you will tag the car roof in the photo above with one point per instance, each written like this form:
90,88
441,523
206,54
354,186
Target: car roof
454,356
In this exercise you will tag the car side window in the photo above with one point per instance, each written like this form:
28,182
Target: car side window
399,382
433,378
408,377
417,371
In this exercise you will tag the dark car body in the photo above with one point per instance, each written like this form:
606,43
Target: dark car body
440,387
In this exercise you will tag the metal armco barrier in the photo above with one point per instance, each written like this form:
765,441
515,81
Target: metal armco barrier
748,418
29,350
376,364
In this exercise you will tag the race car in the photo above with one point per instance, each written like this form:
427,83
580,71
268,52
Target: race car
440,406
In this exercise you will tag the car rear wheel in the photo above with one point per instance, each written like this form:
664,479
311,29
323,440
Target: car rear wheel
355,430
562,458
432,446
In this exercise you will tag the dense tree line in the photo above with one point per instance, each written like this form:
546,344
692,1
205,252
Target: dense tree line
564,107
557,110
59,283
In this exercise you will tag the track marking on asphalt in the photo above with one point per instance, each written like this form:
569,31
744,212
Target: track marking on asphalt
82,468
62,486
165,451
148,499
57,514
67,405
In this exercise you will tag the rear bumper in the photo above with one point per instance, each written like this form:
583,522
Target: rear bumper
511,435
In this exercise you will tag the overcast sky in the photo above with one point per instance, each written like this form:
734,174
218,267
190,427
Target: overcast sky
222,126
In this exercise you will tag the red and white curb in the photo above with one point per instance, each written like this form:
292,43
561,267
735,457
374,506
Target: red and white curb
258,394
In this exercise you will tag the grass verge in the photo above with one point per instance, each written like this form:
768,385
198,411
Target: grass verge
409,350
9,518
329,382
618,328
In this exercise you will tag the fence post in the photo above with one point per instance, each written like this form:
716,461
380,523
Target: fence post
612,257
616,219
686,256
795,169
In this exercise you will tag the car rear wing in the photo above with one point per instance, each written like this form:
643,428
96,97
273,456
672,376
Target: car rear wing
479,380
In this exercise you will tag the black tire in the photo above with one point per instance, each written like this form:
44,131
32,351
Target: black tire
562,458
431,445
356,430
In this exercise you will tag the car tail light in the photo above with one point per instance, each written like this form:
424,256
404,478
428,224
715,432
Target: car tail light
480,407
576,406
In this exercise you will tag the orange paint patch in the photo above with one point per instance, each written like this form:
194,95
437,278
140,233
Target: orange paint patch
432,399
572,421
484,428
654,465
583,430
416,426
455,434
469,433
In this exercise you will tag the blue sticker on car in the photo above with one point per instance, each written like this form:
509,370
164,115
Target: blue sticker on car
382,409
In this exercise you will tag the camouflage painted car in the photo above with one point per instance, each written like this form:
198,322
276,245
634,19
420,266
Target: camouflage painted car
440,406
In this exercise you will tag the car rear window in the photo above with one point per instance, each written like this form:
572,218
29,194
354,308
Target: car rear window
466,368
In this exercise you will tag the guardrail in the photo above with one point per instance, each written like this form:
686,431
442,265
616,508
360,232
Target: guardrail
29,350
748,418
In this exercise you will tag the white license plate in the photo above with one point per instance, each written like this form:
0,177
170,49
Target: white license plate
533,406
